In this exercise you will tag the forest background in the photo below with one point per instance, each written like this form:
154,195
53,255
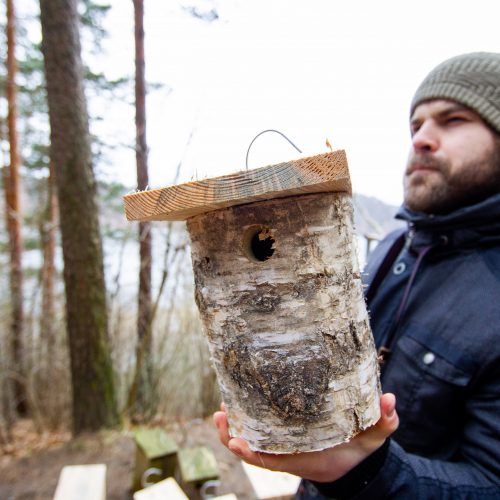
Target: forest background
97,319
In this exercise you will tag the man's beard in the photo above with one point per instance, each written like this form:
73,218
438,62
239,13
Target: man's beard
475,182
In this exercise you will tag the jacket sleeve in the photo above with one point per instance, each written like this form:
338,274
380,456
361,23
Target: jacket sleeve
404,476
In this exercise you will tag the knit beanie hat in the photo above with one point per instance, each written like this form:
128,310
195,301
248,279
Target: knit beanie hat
470,79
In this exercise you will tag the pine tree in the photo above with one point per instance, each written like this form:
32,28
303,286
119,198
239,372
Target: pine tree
94,401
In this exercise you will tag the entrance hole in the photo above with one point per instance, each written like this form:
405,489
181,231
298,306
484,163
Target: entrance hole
258,243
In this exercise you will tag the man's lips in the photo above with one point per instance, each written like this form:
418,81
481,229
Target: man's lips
424,165
420,168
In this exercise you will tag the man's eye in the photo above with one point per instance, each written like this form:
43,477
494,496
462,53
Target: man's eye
455,119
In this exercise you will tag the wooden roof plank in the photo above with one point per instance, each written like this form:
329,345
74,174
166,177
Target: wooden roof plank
321,173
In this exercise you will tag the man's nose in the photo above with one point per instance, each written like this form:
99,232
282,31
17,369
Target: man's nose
426,138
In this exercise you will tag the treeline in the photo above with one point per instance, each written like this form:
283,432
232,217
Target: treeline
79,348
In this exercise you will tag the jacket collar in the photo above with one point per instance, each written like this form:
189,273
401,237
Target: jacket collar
470,225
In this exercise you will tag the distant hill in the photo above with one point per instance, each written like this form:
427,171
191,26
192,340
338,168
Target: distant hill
373,217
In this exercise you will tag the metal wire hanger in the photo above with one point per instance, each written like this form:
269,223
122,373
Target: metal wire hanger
263,132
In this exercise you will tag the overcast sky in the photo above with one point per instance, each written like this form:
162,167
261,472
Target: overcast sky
315,69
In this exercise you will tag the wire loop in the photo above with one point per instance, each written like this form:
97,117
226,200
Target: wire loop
263,132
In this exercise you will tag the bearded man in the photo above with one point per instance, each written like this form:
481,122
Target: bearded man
434,301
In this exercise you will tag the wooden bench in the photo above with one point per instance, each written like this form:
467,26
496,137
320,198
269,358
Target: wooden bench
163,490
82,482
156,454
271,485
197,466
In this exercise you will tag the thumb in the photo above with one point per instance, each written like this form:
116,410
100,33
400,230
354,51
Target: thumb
389,420
387,423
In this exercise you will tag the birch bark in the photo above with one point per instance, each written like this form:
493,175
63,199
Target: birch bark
278,288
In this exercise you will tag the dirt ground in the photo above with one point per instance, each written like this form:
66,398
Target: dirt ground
30,465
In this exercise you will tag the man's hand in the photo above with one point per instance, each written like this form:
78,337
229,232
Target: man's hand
323,466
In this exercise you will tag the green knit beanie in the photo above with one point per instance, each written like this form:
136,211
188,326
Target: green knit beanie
470,79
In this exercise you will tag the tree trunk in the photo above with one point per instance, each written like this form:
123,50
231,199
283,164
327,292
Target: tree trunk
48,232
140,399
14,218
280,295
94,402
7,383
49,368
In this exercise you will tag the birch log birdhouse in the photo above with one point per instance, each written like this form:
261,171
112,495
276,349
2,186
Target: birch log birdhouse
279,292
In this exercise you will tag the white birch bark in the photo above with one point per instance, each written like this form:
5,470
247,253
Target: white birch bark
289,336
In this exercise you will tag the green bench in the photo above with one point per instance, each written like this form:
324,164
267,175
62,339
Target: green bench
155,457
197,469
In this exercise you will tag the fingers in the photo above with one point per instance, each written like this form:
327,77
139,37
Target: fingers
220,421
265,460
239,446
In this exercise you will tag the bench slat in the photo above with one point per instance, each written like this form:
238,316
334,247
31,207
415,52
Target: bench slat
82,482
165,489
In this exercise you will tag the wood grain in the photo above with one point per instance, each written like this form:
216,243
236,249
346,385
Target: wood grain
326,172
